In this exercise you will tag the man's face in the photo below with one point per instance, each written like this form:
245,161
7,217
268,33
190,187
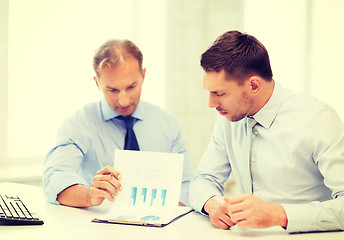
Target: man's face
230,100
121,86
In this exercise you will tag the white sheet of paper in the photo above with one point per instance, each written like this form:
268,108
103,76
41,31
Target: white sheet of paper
151,184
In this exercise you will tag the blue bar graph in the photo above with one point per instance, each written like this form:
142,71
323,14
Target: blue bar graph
153,197
133,195
148,196
144,194
163,196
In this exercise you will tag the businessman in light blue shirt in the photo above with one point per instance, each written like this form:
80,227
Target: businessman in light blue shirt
78,170
286,150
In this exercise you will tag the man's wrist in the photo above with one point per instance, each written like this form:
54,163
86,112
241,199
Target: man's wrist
281,218
212,203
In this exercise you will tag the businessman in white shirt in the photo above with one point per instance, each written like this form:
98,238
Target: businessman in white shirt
286,150
78,170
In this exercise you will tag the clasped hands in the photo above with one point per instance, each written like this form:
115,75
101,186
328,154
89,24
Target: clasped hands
244,211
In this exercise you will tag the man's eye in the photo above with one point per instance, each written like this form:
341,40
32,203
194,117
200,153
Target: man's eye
219,94
131,87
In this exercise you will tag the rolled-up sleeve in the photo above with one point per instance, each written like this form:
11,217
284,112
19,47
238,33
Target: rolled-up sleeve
63,162
61,173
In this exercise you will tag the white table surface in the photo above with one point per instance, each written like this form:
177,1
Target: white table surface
61,222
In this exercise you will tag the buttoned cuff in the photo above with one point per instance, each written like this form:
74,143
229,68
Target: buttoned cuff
298,218
200,193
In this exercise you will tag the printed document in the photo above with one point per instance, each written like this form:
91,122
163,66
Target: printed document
151,183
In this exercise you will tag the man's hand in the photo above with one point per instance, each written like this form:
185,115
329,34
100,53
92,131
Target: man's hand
105,185
217,208
250,211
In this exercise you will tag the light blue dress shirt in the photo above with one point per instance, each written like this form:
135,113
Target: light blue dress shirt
86,143
296,159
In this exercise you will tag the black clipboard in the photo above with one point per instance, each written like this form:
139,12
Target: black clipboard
181,211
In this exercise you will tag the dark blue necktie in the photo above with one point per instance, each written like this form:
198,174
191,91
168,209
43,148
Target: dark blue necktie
130,142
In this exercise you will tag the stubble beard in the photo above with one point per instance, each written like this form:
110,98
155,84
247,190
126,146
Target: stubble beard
246,104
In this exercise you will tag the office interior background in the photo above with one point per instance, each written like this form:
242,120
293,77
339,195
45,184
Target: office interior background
46,50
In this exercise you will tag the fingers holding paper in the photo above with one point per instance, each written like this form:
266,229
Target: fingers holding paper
105,185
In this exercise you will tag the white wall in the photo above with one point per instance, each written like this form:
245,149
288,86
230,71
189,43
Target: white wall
192,28
50,50
326,59
281,26
303,37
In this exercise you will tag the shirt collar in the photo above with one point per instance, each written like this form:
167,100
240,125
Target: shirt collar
267,114
108,113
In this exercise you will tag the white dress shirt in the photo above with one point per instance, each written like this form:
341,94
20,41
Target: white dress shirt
296,159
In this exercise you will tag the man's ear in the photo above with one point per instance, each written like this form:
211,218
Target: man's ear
255,84
96,80
143,74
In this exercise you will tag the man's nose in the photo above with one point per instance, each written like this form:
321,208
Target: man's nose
213,103
123,99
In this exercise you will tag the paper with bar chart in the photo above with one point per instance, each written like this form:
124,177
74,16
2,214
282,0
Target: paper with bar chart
151,184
